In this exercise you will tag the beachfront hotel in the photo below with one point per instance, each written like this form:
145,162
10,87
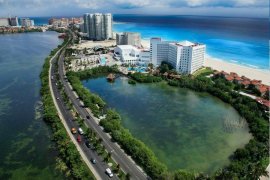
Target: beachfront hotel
26,22
128,38
186,57
132,55
11,21
98,26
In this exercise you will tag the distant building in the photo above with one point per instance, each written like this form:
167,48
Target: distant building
129,54
128,38
98,26
64,22
185,57
121,39
14,21
26,22
4,22
82,27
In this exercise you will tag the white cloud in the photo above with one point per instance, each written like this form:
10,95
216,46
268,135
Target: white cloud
196,2
127,6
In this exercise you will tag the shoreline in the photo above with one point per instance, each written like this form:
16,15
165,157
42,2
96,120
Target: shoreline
223,65
241,70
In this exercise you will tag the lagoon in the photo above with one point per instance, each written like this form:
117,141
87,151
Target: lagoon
185,129
27,151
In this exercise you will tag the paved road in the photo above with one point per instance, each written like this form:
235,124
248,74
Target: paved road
100,166
126,163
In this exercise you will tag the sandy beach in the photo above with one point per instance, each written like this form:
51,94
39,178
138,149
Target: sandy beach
249,72
145,43
220,65
91,44
212,62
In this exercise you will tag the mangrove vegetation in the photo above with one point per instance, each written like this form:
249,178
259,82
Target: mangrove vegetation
247,163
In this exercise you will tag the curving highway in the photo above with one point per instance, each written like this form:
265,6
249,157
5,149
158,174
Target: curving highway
118,155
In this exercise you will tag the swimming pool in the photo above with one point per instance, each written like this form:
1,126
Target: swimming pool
137,69
102,60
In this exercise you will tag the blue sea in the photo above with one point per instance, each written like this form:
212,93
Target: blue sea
242,41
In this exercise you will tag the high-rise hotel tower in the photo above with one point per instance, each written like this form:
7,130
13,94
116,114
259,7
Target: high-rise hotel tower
98,26
186,57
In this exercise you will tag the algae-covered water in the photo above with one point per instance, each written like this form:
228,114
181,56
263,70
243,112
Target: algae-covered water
185,129
26,149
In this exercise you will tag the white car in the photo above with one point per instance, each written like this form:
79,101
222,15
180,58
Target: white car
109,172
80,131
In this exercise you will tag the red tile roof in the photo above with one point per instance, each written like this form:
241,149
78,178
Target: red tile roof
224,73
263,102
263,88
256,82
245,82
238,78
229,78
234,74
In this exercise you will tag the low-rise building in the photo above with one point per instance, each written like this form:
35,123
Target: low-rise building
129,54
64,22
264,102
263,89
245,82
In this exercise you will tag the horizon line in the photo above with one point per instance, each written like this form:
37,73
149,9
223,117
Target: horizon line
117,14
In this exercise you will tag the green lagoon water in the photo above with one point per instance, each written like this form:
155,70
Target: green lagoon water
185,129
26,149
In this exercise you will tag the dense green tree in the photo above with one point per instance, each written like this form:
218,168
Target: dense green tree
242,161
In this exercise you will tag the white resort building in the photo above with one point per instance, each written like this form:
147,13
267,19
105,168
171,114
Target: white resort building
185,57
129,54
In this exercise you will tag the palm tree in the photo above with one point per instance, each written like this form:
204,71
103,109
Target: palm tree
80,121
127,176
93,135
108,157
117,168
88,133
102,149
150,65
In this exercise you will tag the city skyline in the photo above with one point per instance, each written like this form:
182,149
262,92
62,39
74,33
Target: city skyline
232,8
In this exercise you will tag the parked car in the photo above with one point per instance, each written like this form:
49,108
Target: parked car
73,130
109,172
79,139
80,131
88,144
88,117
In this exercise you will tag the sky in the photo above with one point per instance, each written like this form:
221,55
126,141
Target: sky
234,8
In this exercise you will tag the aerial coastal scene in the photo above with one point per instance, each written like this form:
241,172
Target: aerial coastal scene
134,90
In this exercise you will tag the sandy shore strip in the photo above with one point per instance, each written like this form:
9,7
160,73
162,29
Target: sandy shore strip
218,64
252,73
214,63
145,43
91,44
